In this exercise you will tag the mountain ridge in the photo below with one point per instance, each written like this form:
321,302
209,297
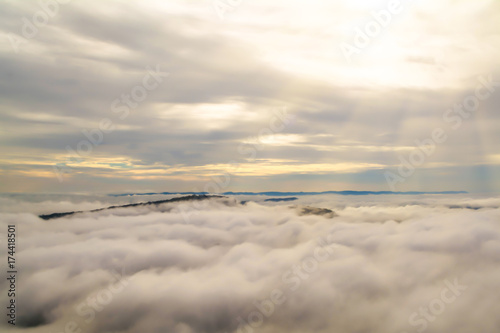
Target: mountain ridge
278,193
148,203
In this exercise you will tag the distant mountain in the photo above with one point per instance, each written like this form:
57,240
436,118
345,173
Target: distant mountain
194,197
286,194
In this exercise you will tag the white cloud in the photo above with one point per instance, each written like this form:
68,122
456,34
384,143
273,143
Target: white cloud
390,255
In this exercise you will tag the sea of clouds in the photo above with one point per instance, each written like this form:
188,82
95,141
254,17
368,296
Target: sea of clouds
381,264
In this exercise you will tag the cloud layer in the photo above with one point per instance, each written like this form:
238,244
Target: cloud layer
384,264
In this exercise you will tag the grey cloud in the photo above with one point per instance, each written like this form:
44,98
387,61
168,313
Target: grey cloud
88,55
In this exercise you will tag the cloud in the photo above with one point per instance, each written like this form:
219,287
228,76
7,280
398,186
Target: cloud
226,78
382,257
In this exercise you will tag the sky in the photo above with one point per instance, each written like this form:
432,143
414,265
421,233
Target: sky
131,96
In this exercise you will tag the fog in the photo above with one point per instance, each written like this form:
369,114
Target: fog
380,264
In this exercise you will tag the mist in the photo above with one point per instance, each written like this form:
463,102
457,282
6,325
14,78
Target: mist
379,264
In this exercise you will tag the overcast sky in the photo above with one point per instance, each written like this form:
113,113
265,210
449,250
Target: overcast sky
283,95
